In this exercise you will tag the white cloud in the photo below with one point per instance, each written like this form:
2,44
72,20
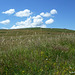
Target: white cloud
24,13
53,11
9,12
49,21
35,21
22,24
5,22
4,28
37,17
45,14
43,26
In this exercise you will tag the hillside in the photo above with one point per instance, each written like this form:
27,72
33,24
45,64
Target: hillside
32,31
37,51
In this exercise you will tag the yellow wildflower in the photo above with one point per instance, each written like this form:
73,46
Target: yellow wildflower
22,71
54,64
42,52
69,71
57,72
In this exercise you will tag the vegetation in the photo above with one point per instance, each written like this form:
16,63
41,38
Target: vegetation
37,51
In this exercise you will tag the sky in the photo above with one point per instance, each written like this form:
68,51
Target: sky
16,14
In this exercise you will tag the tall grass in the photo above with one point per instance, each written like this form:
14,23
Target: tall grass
37,52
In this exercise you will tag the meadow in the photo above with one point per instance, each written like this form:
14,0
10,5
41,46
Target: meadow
37,51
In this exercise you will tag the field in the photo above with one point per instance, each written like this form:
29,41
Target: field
37,51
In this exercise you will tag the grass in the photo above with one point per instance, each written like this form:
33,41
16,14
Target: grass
37,51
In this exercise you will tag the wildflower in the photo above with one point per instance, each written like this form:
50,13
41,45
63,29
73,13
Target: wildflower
70,67
54,64
22,71
69,71
42,52
46,59
41,69
66,69
57,72
45,66
63,72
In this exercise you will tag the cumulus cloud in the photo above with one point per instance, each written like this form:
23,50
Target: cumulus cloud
24,13
45,14
53,11
35,21
49,21
9,12
37,17
5,22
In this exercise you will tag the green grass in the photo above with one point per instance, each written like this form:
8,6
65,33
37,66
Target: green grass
37,51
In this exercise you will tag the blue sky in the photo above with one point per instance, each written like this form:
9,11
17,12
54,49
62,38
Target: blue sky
37,13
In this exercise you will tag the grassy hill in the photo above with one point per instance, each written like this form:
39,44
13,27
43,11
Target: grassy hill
37,51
